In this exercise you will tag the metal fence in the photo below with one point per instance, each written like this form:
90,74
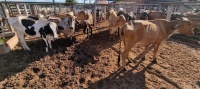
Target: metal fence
10,9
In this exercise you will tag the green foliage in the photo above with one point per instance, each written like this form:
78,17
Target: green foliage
70,1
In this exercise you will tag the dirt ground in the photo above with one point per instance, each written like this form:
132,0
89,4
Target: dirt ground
92,64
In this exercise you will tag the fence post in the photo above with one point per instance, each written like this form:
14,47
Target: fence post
30,9
169,11
25,9
95,7
159,8
18,9
54,8
3,9
60,7
105,12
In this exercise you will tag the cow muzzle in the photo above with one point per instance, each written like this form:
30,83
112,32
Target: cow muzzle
71,28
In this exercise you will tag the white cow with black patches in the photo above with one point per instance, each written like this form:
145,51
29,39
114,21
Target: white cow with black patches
39,28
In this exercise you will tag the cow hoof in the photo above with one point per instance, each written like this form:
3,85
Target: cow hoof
123,69
27,49
143,58
154,61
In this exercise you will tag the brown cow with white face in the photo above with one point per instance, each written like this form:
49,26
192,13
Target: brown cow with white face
85,20
115,21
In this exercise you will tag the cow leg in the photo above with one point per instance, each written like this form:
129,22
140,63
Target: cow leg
155,51
124,56
126,51
145,51
73,39
90,31
45,40
49,42
22,40
85,29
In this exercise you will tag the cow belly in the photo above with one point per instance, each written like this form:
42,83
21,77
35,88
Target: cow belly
67,33
149,38
30,31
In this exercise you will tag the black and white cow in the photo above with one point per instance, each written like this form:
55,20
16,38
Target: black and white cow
126,15
144,16
33,27
100,15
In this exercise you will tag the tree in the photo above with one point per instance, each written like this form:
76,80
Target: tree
70,1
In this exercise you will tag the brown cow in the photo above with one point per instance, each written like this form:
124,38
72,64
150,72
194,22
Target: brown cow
115,21
85,19
152,15
156,15
148,33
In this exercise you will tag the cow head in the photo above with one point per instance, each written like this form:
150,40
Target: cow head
121,20
67,23
186,27
82,15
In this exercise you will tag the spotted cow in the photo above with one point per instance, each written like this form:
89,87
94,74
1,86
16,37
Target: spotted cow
34,27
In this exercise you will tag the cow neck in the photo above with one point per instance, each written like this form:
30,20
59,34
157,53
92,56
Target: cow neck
169,24
115,18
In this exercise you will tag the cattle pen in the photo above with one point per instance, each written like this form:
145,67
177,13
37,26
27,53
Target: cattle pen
92,64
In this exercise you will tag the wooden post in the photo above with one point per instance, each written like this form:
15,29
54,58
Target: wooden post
3,9
25,9
159,8
60,7
84,6
169,11
6,16
105,12
18,9
95,7
54,6
30,10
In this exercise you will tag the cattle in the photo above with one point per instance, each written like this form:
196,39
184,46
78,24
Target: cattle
40,28
149,33
152,15
99,15
67,25
115,22
156,15
3,24
176,15
144,15
85,20
126,15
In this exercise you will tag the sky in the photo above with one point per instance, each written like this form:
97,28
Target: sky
79,1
